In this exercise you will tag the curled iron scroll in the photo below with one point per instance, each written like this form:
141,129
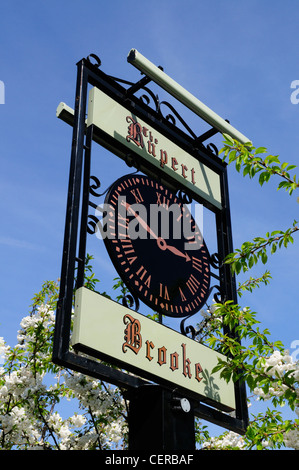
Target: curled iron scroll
184,197
94,186
213,149
215,261
96,58
186,330
219,296
129,300
92,224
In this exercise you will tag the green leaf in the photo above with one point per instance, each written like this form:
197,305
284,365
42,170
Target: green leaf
228,139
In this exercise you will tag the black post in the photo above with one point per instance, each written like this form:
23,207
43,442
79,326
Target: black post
160,419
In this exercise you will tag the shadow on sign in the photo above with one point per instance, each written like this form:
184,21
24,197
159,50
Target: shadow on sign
211,388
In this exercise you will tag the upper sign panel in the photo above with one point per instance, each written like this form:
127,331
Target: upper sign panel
142,139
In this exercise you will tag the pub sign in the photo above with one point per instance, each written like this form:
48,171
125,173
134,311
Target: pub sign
153,242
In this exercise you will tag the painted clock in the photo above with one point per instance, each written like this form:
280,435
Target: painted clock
156,246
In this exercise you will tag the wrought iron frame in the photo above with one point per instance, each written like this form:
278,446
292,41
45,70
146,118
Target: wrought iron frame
76,222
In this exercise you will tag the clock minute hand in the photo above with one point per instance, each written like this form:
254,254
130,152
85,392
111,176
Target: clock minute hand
141,221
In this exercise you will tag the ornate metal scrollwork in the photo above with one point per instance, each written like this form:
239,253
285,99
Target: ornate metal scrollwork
92,224
186,330
172,117
215,261
129,300
219,295
184,197
158,108
212,148
96,58
94,186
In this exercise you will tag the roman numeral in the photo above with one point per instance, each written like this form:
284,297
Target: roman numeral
165,201
123,221
137,195
182,295
142,272
197,264
164,292
128,247
192,284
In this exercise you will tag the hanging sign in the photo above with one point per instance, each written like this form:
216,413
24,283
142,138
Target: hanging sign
138,136
114,333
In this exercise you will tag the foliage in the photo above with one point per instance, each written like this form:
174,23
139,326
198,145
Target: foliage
33,391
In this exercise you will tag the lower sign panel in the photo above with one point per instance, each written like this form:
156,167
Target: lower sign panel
109,331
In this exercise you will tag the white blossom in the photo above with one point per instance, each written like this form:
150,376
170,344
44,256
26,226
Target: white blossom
228,440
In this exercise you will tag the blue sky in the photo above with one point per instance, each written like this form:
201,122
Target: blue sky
239,58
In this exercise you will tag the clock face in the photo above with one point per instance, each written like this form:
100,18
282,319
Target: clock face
156,246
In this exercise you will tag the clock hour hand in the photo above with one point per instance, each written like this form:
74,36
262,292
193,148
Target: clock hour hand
163,245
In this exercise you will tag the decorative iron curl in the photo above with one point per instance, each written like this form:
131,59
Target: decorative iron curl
132,161
129,300
219,296
184,197
93,187
213,149
169,117
186,330
215,261
92,224
96,58
146,100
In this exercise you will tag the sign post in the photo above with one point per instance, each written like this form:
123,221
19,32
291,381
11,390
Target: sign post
167,373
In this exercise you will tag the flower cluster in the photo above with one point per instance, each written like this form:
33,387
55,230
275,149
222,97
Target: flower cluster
283,374
229,440
269,371
277,365
34,393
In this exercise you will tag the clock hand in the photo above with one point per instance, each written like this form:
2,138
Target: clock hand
163,245
141,221
160,241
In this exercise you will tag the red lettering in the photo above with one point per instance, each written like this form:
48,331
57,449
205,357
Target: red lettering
149,345
135,132
198,370
174,164
163,158
174,361
186,363
162,356
184,169
132,337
